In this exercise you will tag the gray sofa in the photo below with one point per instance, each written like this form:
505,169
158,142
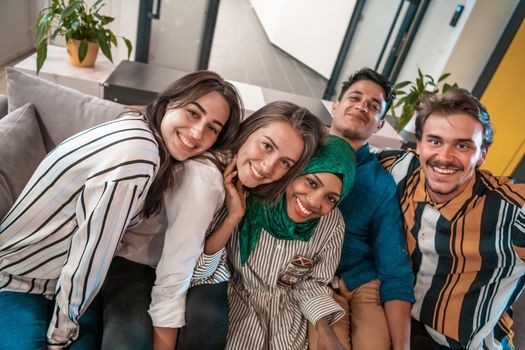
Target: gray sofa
36,115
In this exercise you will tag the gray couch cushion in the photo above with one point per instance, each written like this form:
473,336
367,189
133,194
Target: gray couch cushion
61,111
21,150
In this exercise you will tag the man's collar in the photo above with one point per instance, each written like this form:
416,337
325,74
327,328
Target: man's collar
447,209
362,153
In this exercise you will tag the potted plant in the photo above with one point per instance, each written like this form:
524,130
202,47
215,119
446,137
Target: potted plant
83,28
411,94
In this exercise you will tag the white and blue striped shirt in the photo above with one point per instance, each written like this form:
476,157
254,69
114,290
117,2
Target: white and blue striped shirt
59,237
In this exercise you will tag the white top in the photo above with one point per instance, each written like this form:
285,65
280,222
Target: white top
174,240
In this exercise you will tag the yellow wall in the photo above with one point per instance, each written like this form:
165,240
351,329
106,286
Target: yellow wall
505,101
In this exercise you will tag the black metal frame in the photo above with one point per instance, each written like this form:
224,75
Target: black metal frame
143,31
405,37
209,30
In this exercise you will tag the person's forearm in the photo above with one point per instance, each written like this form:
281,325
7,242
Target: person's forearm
398,317
218,238
165,338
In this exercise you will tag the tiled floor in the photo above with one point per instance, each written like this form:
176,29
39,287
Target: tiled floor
241,51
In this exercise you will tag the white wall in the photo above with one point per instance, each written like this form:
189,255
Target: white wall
269,13
309,30
480,36
16,19
463,50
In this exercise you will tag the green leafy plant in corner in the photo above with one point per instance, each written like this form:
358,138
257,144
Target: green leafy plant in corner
411,93
75,20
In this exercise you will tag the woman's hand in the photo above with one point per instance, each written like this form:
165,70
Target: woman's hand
235,195
236,205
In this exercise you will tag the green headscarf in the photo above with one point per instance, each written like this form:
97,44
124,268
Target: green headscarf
335,156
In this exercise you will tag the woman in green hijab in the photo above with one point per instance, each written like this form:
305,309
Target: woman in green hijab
285,255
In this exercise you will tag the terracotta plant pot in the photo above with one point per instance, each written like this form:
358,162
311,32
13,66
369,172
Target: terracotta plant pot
89,60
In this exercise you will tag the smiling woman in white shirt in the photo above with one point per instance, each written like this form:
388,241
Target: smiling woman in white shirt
159,256
58,239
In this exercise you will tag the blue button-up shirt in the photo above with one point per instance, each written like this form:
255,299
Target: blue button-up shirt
374,245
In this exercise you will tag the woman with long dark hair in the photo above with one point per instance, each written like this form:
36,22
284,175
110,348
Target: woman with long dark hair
58,239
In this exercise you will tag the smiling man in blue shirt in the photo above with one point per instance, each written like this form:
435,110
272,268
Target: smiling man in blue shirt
374,281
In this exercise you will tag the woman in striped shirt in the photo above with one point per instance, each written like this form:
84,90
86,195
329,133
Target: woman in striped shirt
283,256
57,241
272,145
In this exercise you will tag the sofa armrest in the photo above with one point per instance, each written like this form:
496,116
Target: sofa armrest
3,106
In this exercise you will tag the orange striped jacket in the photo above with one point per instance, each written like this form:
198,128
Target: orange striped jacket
468,254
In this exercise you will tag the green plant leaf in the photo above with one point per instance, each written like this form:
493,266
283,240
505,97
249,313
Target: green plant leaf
420,85
398,103
430,79
41,55
128,45
98,9
41,34
106,20
55,33
112,38
94,6
43,20
104,44
443,77
71,8
412,99
75,24
82,50
447,87
401,85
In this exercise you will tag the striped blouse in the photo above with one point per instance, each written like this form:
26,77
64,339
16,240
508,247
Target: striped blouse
211,269
281,287
468,253
59,237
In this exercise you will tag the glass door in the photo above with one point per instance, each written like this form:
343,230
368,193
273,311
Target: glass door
176,33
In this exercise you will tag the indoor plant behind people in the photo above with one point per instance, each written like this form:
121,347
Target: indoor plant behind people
83,28
410,94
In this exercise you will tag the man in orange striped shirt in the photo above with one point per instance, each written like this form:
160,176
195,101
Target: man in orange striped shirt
465,228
